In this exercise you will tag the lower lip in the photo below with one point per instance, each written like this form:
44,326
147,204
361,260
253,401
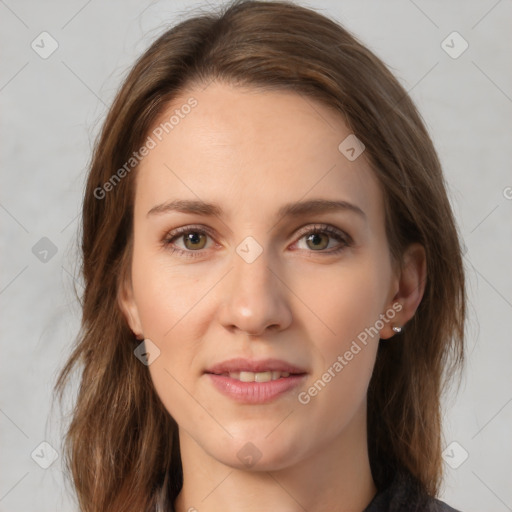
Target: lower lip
255,392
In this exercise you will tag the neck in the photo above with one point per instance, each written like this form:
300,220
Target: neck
336,476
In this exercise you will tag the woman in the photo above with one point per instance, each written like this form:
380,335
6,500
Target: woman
274,293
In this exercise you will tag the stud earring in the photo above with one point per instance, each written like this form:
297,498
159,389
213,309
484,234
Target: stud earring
397,329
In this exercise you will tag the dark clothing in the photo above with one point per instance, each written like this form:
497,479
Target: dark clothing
402,496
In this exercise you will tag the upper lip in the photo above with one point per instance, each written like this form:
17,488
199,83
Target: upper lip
241,364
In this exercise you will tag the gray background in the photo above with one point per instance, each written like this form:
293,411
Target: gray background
51,112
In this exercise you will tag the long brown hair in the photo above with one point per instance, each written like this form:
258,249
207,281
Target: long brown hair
121,447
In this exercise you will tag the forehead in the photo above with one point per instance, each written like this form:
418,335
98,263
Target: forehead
248,149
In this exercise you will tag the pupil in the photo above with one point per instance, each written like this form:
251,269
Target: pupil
316,238
193,237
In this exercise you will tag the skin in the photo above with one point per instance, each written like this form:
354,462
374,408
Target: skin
252,151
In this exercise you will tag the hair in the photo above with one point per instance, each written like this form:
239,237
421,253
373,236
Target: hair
121,445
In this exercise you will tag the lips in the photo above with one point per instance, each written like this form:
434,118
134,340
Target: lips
255,382
249,370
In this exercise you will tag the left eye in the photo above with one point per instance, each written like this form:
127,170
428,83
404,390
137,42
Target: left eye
318,240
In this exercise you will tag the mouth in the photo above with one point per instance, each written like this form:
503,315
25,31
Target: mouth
255,382
240,368
245,376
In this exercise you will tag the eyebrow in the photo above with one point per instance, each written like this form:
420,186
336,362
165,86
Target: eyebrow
295,209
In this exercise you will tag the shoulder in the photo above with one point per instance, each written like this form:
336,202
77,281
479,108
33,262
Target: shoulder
441,506
385,502
403,495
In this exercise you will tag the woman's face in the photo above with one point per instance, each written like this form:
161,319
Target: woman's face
247,177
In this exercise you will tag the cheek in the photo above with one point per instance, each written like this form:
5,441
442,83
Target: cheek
341,302
171,309
175,304
344,337
165,294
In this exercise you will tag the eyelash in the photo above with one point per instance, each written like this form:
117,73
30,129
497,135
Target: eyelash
344,238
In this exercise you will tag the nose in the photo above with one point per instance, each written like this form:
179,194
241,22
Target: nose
255,297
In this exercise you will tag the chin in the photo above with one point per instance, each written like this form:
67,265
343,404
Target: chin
257,453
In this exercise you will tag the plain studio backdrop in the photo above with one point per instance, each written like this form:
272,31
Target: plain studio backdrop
61,65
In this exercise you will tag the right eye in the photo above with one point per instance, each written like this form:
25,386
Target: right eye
194,239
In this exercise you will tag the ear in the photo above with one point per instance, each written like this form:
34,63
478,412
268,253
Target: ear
411,286
129,308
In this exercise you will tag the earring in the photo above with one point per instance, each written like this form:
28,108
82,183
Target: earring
397,329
